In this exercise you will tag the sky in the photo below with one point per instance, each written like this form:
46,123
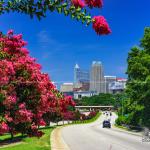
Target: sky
58,42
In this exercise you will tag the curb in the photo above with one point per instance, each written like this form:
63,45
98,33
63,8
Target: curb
57,142
10,145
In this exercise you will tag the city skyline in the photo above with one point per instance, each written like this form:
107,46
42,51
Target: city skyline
85,70
92,81
57,54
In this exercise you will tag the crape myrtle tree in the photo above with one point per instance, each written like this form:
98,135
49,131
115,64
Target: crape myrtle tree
26,94
77,9
138,85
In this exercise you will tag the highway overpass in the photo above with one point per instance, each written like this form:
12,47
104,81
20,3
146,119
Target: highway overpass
94,107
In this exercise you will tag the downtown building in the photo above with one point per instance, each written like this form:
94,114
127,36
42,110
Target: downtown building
93,82
118,86
80,75
109,80
81,79
97,81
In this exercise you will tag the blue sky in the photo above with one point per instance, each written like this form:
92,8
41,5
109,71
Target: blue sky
59,42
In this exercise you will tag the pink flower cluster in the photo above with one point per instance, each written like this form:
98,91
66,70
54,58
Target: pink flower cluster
78,3
10,101
69,116
6,71
3,128
27,93
23,116
94,3
100,25
89,3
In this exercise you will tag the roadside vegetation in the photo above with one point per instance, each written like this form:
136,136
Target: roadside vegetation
135,113
23,142
88,120
27,143
101,99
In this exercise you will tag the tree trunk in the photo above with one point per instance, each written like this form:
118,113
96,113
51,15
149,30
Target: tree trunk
12,136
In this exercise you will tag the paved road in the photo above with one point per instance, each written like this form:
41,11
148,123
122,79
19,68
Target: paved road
94,137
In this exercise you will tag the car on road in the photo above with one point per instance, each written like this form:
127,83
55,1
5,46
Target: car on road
106,124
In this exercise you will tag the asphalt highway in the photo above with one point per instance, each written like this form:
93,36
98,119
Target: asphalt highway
94,137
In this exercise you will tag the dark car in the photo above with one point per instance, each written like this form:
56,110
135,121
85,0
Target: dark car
106,124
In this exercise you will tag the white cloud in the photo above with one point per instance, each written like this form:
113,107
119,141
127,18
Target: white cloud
44,38
49,45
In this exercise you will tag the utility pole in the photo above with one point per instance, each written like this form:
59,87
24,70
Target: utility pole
122,106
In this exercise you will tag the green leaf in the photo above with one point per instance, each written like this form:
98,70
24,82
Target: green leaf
72,16
64,4
88,22
88,17
51,8
78,9
66,12
59,9
83,20
72,7
78,17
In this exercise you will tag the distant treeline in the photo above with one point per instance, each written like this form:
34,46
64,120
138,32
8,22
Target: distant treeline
101,99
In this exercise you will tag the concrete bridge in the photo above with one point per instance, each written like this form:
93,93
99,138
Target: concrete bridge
90,108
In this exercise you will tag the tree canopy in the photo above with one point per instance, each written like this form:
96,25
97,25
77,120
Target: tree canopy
101,99
138,85
26,94
77,9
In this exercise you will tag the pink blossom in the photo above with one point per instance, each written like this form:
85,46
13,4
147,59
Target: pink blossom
10,32
27,93
94,3
78,3
3,128
100,25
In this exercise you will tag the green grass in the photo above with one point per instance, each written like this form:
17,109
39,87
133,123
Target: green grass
121,127
127,129
32,143
88,121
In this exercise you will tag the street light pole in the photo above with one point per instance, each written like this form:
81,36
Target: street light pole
122,107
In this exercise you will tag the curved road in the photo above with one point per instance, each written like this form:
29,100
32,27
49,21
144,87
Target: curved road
94,137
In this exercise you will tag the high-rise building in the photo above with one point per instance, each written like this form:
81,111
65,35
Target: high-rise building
76,73
97,82
108,81
81,77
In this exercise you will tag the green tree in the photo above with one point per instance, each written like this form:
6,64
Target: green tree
101,99
138,85
76,9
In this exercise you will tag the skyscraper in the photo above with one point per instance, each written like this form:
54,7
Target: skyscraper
97,82
81,79
80,76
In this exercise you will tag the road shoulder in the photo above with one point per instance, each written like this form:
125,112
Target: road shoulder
57,142
126,131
